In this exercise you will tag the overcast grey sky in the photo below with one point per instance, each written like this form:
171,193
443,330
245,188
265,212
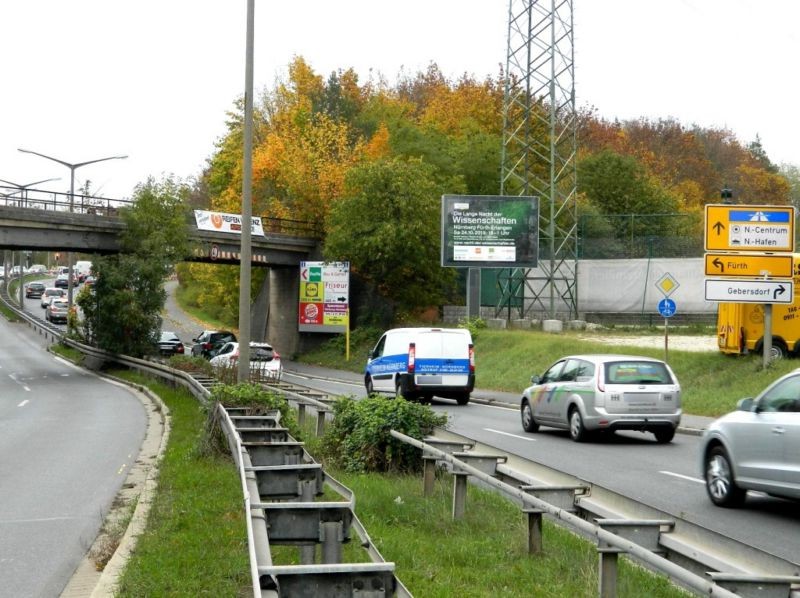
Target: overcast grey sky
153,79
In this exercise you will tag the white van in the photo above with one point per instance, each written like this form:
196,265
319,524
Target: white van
418,363
82,269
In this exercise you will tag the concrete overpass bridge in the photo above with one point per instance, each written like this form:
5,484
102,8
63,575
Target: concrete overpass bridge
93,226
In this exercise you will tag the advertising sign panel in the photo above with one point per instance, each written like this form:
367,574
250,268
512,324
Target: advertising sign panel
490,231
324,296
220,222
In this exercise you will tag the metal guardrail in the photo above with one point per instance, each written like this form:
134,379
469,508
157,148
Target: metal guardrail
267,579
642,539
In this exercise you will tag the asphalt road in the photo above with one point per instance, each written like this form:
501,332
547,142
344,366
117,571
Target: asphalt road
665,477
67,441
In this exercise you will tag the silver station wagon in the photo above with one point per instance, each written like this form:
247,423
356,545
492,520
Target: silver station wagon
588,393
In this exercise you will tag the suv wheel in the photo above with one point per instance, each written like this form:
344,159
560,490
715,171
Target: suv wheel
577,431
720,484
368,386
664,435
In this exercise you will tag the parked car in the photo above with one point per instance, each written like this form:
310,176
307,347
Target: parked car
34,289
56,312
51,292
755,447
209,342
170,344
264,359
588,393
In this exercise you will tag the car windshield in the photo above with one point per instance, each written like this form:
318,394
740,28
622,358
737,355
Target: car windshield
168,336
637,372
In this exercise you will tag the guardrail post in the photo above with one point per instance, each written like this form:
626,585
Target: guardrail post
534,530
308,552
301,414
428,475
459,494
608,572
332,536
320,423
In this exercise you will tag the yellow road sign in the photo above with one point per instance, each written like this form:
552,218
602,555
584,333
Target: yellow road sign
749,265
749,228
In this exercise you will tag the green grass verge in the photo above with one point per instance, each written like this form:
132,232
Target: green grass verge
196,539
483,554
711,383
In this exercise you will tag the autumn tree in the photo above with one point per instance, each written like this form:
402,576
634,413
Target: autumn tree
387,225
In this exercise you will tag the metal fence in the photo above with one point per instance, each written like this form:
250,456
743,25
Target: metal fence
628,236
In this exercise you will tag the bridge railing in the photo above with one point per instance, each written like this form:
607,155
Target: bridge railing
104,206
60,201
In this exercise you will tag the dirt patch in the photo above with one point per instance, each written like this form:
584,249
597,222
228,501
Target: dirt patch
677,342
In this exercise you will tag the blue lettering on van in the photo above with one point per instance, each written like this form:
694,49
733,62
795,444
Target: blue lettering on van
441,366
388,364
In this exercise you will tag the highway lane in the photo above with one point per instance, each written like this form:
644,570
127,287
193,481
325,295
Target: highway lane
664,477
67,441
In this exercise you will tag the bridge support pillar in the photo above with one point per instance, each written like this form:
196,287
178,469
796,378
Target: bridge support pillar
284,294
259,312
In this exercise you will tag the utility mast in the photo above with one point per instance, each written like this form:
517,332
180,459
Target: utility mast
539,153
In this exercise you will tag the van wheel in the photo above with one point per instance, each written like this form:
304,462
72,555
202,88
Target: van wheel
398,390
463,399
577,431
368,386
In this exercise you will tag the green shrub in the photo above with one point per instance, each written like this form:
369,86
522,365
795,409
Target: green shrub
359,438
191,364
258,400
473,325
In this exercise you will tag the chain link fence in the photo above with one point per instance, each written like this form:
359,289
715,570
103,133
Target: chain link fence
631,236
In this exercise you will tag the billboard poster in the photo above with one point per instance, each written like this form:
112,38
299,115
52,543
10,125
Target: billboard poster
220,222
324,296
490,231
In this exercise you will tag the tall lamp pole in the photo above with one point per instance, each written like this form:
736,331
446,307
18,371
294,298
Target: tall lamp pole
72,169
24,188
243,370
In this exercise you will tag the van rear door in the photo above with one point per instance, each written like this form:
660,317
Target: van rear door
442,357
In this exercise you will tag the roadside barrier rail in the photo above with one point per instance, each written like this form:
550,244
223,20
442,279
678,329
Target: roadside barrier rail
609,544
280,482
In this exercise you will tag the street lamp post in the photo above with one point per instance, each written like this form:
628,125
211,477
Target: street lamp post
72,169
24,188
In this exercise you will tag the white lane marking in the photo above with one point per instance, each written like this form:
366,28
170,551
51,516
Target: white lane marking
22,384
23,403
509,434
683,477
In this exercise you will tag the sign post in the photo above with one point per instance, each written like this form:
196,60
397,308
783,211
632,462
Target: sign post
667,284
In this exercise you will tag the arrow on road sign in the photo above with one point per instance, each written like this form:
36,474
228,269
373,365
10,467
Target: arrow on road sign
779,291
719,227
304,273
718,263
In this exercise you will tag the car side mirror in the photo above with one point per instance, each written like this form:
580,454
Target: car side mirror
745,404
535,379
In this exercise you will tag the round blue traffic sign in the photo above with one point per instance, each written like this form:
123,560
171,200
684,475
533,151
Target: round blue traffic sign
667,307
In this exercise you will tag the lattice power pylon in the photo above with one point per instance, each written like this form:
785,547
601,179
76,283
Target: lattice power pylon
539,153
